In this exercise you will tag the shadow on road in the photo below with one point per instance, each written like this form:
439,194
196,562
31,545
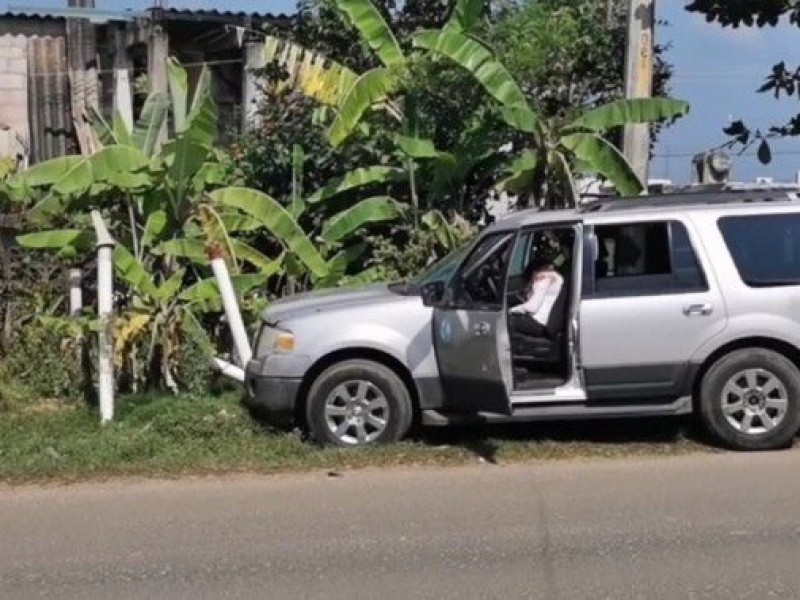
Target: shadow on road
485,440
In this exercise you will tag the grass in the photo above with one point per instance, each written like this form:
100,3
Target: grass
166,436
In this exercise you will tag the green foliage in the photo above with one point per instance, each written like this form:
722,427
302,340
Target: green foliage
370,89
8,164
476,59
149,192
568,54
410,249
746,12
265,157
363,16
194,377
466,14
41,364
560,144
277,220
158,436
623,112
562,149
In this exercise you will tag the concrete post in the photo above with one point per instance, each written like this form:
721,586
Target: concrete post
75,293
157,53
105,309
253,59
123,94
639,81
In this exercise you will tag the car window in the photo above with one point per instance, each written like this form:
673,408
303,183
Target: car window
689,275
442,270
481,280
765,248
645,259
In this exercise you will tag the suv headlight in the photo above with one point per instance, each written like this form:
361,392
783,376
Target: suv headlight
273,340
284,342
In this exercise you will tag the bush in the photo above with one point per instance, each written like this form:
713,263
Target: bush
40,365
193,373
408,250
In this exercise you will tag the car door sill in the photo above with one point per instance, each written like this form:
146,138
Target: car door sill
568,411
570,392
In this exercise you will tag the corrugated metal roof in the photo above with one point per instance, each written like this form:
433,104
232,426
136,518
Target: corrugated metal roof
103,16
13,14
92,14
211,14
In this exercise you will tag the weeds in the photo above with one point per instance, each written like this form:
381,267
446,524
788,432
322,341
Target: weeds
164,436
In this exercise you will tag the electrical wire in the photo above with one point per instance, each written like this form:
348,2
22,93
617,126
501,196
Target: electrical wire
211,63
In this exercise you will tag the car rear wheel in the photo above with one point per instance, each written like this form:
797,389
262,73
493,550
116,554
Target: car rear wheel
750,400
358,403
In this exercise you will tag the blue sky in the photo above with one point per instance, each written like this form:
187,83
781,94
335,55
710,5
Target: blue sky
717,70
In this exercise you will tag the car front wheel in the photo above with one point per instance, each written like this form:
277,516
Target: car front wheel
358,403
750,400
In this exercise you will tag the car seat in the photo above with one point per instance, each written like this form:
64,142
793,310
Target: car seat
528,349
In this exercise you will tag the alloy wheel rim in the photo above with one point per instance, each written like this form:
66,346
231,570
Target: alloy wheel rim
356,412
754,401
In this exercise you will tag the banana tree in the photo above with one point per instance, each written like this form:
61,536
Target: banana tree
354,94
319,257
580,146
145,187
149,192
550,151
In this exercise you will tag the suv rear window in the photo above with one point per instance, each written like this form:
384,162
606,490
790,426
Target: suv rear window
640,259
765,248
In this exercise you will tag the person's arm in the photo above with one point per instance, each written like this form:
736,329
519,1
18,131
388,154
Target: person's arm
534,302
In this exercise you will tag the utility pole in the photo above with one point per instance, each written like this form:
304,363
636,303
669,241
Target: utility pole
639,80
84,85
157,53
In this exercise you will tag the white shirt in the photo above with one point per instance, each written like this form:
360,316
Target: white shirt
541,296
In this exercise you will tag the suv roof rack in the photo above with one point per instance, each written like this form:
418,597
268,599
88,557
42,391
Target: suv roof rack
700,195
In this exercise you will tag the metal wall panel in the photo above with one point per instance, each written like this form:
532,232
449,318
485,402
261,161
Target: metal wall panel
49,99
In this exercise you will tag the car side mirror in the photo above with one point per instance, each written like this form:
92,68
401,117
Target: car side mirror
433,293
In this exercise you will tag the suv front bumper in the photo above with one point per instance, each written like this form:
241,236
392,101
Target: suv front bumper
273,385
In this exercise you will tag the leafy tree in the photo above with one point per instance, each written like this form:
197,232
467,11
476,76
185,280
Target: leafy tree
783,80
568,54
747,12
545,171
165,204
450,157
552,149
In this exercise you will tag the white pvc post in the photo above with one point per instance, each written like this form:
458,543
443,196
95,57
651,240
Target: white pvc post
228,369
105,308
235,322
75,293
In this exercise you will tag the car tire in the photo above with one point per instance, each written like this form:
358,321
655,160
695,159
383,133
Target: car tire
358,403
750,400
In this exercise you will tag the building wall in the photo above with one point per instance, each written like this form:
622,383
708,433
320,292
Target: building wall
14,94
52,132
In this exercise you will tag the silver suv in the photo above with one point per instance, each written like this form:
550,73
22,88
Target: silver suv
670,305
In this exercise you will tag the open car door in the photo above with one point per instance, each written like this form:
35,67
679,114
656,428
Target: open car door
470,331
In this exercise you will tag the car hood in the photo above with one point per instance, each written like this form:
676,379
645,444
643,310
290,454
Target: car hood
332,300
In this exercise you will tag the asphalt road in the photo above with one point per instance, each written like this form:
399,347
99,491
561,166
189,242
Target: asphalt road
702,526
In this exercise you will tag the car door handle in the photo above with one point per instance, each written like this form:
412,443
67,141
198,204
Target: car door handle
698,310
481,328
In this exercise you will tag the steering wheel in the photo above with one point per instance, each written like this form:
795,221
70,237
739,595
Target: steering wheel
492,284
487,282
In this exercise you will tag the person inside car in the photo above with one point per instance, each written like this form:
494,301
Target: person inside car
544,285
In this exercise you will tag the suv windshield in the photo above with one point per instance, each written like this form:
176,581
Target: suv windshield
443,269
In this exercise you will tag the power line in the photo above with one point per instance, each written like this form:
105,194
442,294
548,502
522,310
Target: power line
227,61
750,153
